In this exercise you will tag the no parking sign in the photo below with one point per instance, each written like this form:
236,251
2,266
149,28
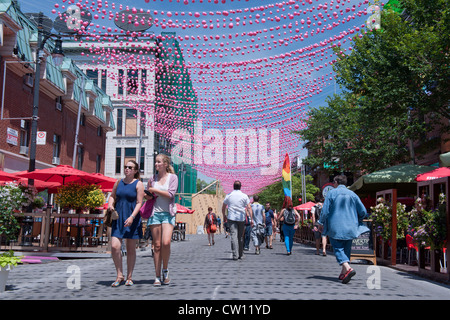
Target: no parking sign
41,137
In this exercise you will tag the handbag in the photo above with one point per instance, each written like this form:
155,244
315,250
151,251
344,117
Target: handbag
212,226
110,216
147,209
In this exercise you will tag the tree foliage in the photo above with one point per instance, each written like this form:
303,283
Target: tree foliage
275,195
395,84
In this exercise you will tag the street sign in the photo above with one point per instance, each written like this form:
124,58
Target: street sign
12,136
41,138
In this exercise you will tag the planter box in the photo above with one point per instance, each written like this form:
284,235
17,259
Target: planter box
4,273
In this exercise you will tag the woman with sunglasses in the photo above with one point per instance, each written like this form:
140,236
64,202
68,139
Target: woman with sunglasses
126,198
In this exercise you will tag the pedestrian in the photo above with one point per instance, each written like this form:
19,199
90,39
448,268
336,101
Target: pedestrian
258,224
210,225
315,216
270,223
290,217
341,219
219,224
126,198
163,186
237,203
247,231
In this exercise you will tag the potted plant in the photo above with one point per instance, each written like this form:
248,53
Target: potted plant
7,261
381,216
78,197
94,198
38,202
428,228
13,198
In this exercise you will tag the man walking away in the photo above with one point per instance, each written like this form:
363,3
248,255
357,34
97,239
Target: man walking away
237,203
342,220
270,222
258,224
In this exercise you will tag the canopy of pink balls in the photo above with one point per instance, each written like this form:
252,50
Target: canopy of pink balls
255,67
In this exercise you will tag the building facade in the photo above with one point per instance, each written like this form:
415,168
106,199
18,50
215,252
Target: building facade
64,91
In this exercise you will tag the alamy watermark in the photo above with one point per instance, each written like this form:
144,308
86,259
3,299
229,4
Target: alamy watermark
74,280
214,147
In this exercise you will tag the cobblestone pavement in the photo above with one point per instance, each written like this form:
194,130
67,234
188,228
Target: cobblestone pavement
201,272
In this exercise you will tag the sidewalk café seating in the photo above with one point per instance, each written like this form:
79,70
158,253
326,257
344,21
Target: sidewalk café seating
60,235
411,246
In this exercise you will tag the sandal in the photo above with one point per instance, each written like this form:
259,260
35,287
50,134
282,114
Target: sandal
166,279
347,276
117,283
157,282
129,283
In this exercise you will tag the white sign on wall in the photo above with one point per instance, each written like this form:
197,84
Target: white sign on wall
12,136
41,137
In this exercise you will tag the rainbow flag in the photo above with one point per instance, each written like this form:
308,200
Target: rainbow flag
286,174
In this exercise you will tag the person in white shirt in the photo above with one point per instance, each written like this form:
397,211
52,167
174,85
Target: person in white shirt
238,204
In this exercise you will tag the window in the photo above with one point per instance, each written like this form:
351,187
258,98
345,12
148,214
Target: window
142,160
56,145
144,81
82,120
99,131
24,133
131,122
92,75
103,80
132,81
121,84
119,121
130,154
118,159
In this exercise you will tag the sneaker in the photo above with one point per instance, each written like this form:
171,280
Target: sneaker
157,282
165,277
257,251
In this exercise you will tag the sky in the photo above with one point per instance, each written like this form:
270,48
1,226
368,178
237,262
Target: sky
254,64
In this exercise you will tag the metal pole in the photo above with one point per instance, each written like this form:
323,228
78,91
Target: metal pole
75,147
34,119
28,220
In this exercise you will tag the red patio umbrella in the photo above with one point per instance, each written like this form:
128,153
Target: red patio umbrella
183,209
106,183
305,206
434,174
38,184
62,174
6,176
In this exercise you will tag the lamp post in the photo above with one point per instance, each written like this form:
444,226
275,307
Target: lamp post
58,56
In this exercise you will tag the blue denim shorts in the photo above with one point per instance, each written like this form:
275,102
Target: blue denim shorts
342,250
160,218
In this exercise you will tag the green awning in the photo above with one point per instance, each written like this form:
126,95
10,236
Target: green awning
399,177
444,159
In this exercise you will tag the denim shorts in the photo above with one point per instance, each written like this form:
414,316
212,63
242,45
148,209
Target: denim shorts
160,218
342,250
268,230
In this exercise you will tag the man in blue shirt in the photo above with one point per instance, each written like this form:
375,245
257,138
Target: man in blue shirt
341,220
258,224
270,218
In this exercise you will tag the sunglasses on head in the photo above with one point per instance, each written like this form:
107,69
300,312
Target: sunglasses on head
129,167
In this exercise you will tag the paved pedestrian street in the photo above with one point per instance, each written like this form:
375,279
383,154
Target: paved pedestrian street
201,272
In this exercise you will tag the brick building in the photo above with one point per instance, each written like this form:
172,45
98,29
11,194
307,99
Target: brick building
62,94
